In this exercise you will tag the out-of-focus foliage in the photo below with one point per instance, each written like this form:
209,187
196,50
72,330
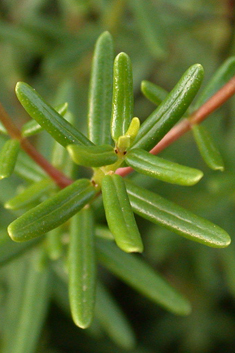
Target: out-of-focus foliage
49,44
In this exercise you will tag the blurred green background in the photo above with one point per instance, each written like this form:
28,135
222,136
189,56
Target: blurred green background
49,44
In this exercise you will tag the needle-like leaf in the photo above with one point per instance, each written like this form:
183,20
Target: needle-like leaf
62,131
207,148
119,214
225,72
32,127
136,273
152,92
82,268
31,194
8,157
175,218
122,105
100,93
162,169
92,156
170,110
52,212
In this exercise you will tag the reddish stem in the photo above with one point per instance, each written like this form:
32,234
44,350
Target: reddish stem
60,179
213,103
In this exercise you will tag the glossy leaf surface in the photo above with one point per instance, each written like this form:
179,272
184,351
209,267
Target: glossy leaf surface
133,129
170,110
92,156
136,273
82,268
62,131
175,218
152,92
122,104
8,157
32,127
31,194
162,169
119,214
100,93
207,148
52,212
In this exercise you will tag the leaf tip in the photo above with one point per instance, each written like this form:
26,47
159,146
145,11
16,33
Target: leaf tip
199,176
18,85
11,233
83,323
226,241
136,247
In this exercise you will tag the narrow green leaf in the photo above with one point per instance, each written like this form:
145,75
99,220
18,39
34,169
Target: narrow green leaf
162,169
100,93
149,22
225,72
112,319
82,268
175,218
122,104
119,214
152,92
31,194
136,273
52,212
31,311
16,280
59,156
92,156
54,244
207,148
9,250
32,127
170,110
133,129
8,157
62,131
27,169
103,232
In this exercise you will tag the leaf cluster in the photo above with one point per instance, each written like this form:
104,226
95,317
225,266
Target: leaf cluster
115,140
